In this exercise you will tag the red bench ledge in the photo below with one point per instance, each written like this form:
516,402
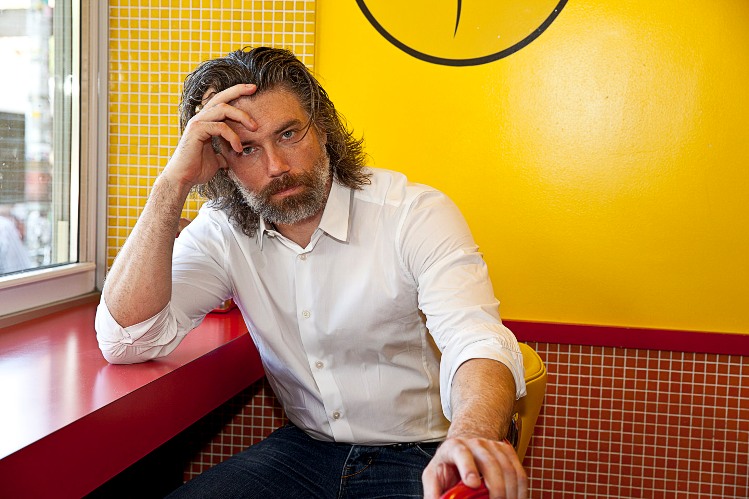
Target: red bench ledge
69,421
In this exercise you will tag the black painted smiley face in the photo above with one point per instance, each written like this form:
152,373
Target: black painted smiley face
460,33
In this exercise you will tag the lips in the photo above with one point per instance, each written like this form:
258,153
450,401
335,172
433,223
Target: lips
286,188
284,184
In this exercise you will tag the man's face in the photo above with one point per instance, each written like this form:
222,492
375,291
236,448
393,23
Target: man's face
283,170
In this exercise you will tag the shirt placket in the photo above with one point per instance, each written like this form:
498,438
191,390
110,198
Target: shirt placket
321,363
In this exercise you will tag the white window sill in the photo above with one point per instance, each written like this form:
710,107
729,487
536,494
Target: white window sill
39,288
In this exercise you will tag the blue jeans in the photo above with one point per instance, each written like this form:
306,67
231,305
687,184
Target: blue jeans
290,464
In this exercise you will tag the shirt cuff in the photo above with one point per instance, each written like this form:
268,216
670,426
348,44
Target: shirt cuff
496,347
114,339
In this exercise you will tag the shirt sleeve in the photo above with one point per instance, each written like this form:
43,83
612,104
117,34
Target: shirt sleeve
455,292
199,284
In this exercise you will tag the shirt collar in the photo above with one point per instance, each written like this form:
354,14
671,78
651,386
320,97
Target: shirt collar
335,216
262,230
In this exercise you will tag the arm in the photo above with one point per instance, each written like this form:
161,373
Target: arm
481,369
139,285
482,398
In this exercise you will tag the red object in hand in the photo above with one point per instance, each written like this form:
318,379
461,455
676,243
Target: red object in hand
463,491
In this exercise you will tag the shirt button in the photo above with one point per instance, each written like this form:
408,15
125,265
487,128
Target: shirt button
336,415
302,257
319,364
306,314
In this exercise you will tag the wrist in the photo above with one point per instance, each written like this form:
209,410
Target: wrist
174,183
474,433
173,189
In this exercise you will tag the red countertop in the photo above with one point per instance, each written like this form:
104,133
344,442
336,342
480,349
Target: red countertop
69,421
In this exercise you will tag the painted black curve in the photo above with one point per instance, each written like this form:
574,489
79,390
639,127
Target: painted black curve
474,61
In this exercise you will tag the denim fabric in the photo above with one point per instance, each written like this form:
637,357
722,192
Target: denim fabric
290,464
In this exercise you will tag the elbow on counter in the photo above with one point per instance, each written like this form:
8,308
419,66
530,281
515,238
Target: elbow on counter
140,343
115,359
111,337
115,353
115,344
122,352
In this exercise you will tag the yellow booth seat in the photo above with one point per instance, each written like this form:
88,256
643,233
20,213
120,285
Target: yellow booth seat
528,407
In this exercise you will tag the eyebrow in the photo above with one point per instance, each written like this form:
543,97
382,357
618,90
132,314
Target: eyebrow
284,126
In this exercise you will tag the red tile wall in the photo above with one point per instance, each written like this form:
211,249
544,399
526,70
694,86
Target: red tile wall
615,423
641,423
242,421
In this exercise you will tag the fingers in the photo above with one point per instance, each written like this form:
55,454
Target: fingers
229,94
194,160
216,106
474,458
503,474
221,112
438,477
206,130
463,458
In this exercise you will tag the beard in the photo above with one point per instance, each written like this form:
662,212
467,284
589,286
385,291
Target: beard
294,208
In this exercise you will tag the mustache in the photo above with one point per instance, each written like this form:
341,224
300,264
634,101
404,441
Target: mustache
287,182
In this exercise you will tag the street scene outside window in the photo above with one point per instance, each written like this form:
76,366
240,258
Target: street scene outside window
38,225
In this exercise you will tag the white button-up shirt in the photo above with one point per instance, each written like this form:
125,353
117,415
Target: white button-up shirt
361,332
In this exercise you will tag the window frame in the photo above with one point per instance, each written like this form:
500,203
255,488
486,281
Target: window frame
28,293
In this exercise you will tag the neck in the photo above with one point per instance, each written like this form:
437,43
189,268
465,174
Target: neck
301,232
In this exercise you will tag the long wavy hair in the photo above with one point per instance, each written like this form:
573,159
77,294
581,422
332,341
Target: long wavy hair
270,68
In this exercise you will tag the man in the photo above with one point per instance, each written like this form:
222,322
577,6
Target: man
365,295
13,254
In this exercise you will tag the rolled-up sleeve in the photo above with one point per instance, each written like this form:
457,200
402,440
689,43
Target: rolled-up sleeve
455,292
199,284
150,339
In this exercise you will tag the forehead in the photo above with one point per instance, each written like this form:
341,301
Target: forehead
272,107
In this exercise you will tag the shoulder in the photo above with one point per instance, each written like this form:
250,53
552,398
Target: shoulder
211,224
392,188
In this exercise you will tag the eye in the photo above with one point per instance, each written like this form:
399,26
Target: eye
247,150
288,134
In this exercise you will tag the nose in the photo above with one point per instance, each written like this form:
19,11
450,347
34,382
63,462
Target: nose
276,162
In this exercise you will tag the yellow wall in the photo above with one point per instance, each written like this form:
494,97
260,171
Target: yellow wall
603,168
153,45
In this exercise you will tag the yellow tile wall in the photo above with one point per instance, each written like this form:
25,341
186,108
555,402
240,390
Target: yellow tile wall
153,44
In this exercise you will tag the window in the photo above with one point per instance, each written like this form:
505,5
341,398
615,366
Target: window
50,116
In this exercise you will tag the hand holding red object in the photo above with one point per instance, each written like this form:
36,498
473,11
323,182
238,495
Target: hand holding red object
463,491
